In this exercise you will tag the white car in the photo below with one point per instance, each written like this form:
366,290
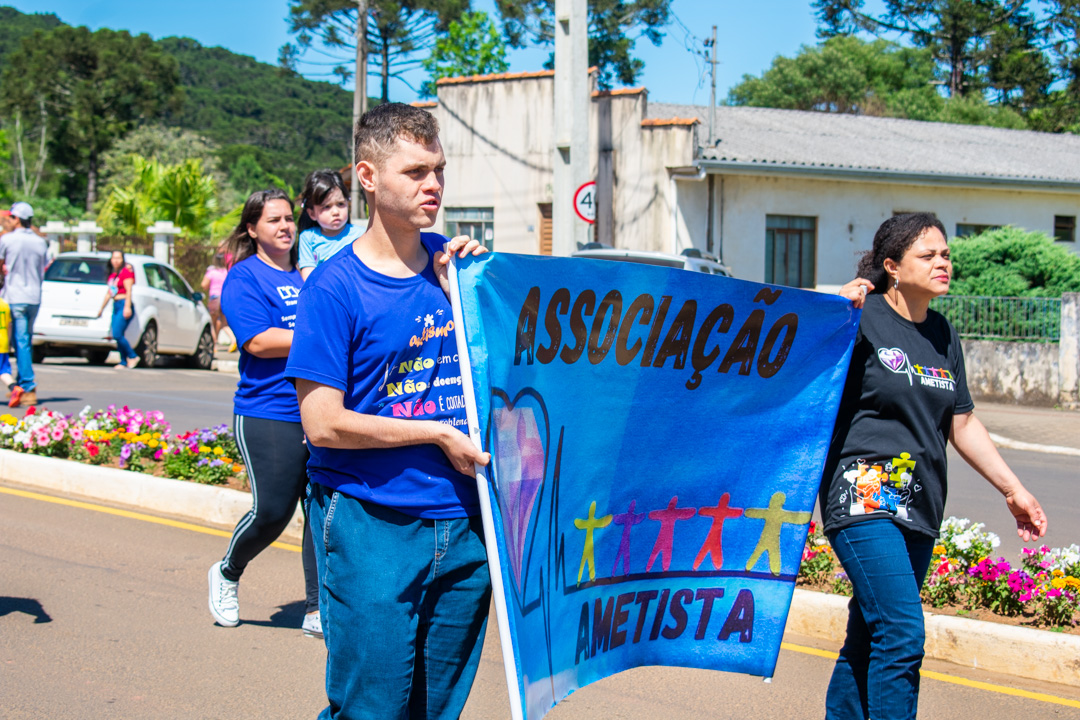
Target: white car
170,318
693,259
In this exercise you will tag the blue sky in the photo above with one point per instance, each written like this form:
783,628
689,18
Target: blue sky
749,35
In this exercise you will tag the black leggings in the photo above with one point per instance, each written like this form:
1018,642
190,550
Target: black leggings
276,459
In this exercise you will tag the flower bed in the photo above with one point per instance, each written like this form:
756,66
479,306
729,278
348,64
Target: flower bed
1041,590
129,439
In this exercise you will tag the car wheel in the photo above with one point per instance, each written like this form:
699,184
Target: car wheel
37,354
147,347
203,359
96,357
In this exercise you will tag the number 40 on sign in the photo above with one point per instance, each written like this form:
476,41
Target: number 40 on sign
585,202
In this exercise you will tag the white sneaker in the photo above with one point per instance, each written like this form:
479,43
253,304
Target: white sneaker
312,626
223,603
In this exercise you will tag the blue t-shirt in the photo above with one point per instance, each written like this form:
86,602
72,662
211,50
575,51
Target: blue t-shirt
388,344
317,247
255,298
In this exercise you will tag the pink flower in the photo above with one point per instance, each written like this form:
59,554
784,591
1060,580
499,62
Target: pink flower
1053,593
42,439
57,434
76,434
158,453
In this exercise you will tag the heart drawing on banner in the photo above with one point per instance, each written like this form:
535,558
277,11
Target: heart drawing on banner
892,358
519,456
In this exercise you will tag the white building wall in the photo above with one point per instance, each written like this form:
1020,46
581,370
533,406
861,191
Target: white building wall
848,214
498,141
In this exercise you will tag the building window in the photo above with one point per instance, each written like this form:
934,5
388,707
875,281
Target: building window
1065,228
477,223
969,229
790,250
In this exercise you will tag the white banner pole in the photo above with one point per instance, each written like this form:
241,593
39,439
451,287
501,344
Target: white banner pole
494,566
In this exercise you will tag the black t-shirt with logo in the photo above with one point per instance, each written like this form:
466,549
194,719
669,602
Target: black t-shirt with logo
887,456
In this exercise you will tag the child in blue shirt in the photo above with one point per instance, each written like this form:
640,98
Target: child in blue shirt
324,222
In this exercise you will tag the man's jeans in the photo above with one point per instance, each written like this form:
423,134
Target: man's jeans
404,603
877,673
23,316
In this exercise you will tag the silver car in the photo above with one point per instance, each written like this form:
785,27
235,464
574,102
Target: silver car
693,260
170,318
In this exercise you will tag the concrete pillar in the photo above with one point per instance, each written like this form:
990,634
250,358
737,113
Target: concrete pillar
571,163
86,233
164,232
1069,353
54,231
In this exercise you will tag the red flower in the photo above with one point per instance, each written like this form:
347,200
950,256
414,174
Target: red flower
92,449
30,411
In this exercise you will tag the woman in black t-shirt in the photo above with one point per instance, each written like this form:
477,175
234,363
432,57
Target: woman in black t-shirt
884,485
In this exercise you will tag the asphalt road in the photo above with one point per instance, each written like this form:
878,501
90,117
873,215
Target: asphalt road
105,617
189,398
195,398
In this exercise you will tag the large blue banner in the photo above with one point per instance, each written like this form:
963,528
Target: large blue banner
657,439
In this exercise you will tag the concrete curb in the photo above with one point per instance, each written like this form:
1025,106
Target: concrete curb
1023,652
1007,649
199,503
226,366
1033,447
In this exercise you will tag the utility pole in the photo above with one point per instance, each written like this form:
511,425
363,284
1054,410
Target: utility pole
712,95
571,162
359,105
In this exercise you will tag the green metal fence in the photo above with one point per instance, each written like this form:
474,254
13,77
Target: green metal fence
1024,319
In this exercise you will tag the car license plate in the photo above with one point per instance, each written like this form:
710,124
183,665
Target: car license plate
74,321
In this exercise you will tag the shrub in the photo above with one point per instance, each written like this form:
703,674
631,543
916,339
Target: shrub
1011,262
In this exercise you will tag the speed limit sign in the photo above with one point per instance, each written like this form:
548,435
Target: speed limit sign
585,202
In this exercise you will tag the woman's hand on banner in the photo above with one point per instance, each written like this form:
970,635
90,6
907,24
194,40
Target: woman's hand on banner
463,245
856,290
461,451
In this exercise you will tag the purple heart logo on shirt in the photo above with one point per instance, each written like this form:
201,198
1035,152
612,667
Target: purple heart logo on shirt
520,463
892,358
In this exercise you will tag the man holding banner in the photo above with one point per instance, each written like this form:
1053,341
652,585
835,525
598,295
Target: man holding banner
393,502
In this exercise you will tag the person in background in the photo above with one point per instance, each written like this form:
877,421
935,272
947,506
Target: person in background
120,280
259,298
14,392
884,485
212,281
324,220
25,255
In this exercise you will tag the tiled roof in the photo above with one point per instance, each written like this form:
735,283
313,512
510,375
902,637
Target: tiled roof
827,141
500,76
618,91
665,122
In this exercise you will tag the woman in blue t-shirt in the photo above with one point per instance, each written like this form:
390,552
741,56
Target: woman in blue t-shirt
259,298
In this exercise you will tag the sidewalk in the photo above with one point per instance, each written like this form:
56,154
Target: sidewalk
1034,425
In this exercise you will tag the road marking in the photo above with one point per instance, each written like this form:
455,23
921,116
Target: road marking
132,515
953,679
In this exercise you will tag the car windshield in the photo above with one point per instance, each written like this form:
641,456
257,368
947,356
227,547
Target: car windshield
78,270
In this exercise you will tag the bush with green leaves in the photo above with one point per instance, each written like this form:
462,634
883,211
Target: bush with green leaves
1012,262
